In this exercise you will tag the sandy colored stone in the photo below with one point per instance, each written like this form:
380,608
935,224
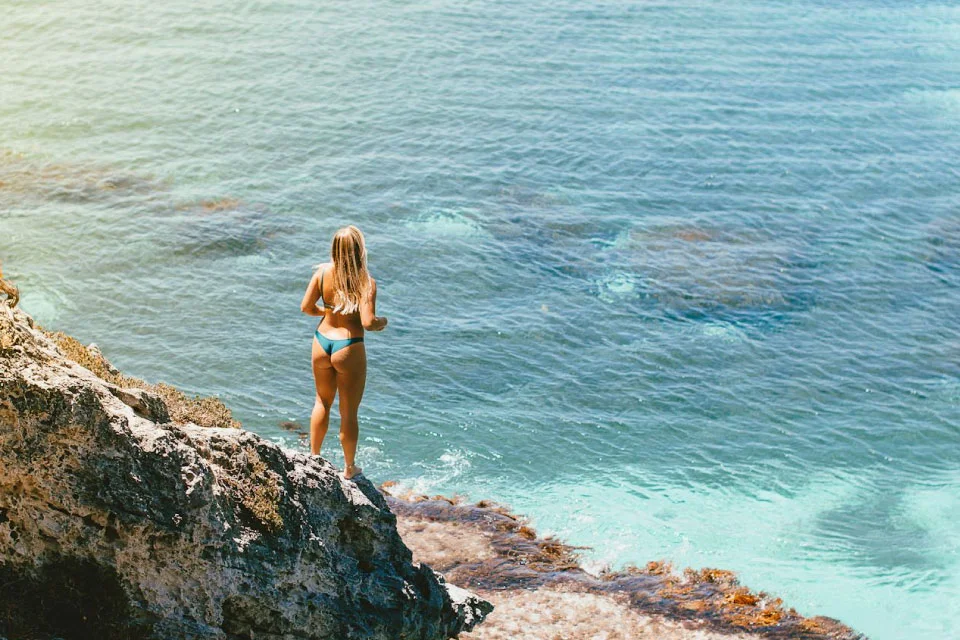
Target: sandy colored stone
444,544
541,591
551,614
545,613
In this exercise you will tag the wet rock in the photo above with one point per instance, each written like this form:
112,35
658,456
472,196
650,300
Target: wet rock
539,586
186,531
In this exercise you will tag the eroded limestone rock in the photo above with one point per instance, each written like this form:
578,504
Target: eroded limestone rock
136,528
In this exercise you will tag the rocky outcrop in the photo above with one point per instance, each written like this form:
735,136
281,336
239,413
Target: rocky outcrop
539,586
117,523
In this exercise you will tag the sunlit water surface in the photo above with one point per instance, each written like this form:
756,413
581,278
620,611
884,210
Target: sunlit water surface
676,279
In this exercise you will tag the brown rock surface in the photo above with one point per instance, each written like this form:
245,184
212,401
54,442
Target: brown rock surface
117,523
541,592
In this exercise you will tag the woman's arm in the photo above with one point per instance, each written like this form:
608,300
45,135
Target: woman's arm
368,310
309,303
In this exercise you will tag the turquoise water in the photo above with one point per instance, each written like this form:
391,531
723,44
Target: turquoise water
677,280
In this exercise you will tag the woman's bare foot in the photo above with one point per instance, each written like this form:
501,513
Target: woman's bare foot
352,471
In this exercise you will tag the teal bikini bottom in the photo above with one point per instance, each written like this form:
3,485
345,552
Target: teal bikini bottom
332,346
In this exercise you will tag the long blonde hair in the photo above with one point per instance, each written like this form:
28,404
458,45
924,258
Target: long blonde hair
351,280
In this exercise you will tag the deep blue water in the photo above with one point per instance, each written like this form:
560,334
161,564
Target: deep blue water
677,280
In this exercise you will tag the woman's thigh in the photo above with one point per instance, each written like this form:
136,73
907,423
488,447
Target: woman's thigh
324,375
350,364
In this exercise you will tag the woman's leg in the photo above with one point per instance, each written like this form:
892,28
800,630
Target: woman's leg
325,378
351,366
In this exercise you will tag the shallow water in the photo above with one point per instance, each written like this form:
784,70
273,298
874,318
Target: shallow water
677,280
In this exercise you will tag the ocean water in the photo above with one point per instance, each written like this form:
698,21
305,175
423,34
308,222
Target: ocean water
675,279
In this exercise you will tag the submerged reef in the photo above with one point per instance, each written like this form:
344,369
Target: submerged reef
116,521
23,177
541,591
698,272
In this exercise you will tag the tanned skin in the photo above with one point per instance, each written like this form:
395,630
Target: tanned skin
345,372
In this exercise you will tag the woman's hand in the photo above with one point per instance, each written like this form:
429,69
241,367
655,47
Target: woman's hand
379,324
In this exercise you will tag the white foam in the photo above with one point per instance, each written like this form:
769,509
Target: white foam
252,260
454,224
946,101
43,305
617,286
451,464
723,331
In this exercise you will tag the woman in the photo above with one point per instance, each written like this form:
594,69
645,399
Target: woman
348,298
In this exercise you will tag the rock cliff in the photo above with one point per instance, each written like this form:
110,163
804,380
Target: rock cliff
116,522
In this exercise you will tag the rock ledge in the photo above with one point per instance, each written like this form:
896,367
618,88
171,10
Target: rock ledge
116,523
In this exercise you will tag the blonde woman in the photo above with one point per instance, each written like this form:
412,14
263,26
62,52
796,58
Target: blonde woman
347,297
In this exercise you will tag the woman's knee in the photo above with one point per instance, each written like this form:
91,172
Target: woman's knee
323,403
349,422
